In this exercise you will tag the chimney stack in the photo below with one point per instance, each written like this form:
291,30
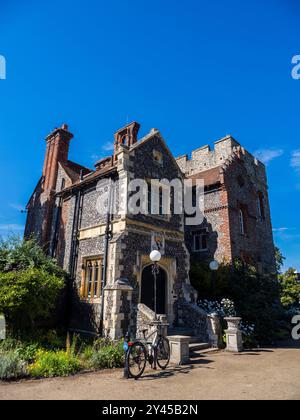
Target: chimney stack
58,143
127,136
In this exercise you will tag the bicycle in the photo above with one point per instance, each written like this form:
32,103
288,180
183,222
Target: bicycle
156,352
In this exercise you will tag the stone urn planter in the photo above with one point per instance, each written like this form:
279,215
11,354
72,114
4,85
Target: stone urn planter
234,338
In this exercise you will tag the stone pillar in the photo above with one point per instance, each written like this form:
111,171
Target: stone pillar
117,309
180,350
234,338
214,331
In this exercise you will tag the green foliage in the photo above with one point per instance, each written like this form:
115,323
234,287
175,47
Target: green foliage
87,353
28,295
110,357
12,366
28,345
44,354
256,296
100,343
279,259
9,344
50,364
257,301
17,254
28,353
202,280
30,282
290,289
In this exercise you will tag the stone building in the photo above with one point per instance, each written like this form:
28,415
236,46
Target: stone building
237,220
107,253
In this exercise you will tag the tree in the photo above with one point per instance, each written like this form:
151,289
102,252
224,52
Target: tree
256,296
18,254
279,259
30,282
202,280
290,289
257,299
28,295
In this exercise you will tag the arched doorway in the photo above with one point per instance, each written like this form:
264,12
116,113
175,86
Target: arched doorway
147,289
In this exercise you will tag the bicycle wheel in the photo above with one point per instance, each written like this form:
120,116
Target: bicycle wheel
136,359
163,353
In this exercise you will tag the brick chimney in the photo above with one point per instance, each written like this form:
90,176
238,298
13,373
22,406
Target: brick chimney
58,143
126,136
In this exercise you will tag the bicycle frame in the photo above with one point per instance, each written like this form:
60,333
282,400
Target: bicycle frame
151,346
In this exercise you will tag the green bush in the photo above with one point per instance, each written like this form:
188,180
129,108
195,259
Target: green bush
256,296
109,357
18,254
50,364
30,282
25,351
9,344
28,345
102,342
12,366
29,352
290,289
28,295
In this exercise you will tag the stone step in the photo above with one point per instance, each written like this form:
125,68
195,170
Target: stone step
198,353
196,346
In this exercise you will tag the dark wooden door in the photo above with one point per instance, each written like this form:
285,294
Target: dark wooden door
147,292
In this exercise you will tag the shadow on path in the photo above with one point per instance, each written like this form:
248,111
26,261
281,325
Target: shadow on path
171,371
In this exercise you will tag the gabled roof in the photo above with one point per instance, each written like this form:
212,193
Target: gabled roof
74,170
155,133
90,177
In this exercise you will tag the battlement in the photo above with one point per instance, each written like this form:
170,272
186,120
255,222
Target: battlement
205,158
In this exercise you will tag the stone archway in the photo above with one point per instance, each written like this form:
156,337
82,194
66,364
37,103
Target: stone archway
147,289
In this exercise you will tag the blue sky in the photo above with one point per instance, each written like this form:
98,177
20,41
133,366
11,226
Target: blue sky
196,70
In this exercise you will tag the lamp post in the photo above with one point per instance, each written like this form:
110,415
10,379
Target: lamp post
214,266
155,257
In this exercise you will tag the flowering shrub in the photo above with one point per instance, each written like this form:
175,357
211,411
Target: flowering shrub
49,364
223,309
228,307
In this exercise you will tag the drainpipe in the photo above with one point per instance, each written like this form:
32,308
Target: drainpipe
107,237
73,255
53,245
